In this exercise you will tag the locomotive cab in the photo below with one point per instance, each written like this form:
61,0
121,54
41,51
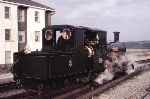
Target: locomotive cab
79,50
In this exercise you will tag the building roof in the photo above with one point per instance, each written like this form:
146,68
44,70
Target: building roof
31,3
93,29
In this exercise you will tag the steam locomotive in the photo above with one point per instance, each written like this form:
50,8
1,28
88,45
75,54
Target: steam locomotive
67,52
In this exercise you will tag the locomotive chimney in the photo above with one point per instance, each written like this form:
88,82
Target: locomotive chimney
116,36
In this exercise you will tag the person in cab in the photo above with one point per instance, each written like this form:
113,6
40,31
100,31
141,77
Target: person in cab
65,41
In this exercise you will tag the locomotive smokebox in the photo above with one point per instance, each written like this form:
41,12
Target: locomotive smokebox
116,36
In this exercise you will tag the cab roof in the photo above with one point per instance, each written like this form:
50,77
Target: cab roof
72,27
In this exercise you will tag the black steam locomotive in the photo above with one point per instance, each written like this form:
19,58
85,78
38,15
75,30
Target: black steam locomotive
67,52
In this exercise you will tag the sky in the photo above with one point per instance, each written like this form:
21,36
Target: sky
130,17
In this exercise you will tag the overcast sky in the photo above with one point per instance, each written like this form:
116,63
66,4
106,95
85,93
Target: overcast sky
130,17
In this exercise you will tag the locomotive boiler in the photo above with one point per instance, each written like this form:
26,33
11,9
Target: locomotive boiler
67,52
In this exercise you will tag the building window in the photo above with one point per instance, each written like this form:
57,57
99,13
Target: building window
7,34
7,57
21,37
21,16
7,12
36,14
37,36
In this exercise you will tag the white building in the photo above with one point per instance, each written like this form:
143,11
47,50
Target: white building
21,24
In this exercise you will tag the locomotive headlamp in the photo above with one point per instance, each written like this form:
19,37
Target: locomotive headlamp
48,35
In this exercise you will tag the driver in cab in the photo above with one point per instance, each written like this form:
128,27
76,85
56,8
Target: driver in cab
64,41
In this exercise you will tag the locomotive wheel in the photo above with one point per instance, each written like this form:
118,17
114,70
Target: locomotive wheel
57,83
66,81
39,88
77,80
83,78
60,82
53,84
91,76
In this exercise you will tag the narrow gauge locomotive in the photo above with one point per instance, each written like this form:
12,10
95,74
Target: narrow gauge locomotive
67,52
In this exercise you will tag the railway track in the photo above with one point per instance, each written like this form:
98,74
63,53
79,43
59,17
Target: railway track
87,91
6,86
13,91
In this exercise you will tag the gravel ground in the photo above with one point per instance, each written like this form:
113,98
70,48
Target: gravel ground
134,88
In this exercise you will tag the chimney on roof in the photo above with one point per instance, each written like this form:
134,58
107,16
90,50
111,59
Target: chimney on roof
116,36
